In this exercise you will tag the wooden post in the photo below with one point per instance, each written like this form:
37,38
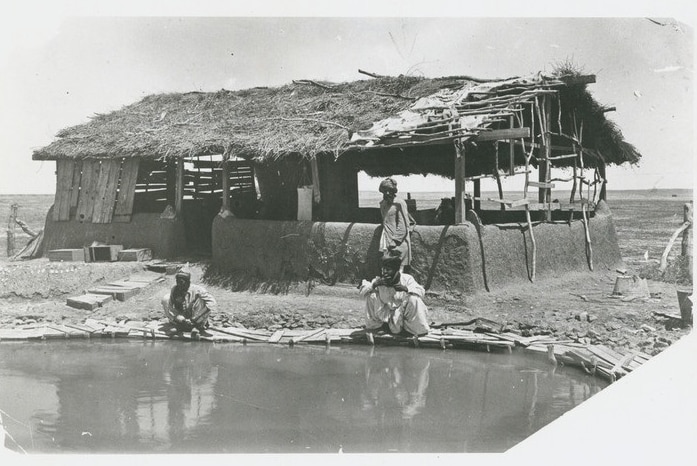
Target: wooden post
225,207
601,172
511,151
496,171
687,237
460,208
179,188
477,205
545,194
11,230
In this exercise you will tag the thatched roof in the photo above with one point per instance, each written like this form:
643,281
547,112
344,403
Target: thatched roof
305,118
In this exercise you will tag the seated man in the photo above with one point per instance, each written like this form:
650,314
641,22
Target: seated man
188,306
394,298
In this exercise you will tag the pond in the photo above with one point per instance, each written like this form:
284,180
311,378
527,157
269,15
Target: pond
132,396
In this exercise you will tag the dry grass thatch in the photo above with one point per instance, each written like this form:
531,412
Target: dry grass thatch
305,118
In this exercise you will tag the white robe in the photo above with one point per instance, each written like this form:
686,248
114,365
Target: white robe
402,310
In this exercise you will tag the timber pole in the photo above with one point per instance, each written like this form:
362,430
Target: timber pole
687,237
179,188
460,207
225,207
546,192
603,182
11,230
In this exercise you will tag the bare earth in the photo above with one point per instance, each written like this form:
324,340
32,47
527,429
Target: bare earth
579,307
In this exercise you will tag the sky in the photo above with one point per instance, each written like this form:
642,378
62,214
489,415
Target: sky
64,62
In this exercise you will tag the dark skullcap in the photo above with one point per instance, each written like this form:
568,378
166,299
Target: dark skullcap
184,272
392,260
388,184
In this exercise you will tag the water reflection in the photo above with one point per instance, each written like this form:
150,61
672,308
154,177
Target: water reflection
188,401
139,397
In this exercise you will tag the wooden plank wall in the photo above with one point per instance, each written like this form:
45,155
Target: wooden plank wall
88,190
75,193
109,171
124,201
98,191
64,184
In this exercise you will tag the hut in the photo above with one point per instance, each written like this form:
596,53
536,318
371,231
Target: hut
265,179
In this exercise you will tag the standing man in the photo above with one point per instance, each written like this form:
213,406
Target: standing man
394,298
188,306
396,221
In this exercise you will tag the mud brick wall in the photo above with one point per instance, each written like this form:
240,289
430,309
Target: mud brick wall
164,236
467,258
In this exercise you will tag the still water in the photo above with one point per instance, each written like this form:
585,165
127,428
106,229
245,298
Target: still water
181,397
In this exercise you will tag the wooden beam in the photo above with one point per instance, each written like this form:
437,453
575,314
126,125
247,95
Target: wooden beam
545,194
509,202
538,184
544,206
460,207
179,188
225,208
316,193
511,153
499,134
601,172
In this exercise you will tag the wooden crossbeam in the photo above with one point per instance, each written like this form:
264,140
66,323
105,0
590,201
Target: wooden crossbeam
500,134
566,156
509,203
540,184
544,206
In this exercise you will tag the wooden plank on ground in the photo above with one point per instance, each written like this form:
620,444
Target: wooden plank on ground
88,186
128,285
48,332
600,353
67,255
623,365
117,292
106,191
145,277
276,337
124,199
239,333
64,182
586,358
88,331
88,301
11,334
309,335
135,255
517,339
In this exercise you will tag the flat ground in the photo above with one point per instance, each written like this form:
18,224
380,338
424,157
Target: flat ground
36,290
575,306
